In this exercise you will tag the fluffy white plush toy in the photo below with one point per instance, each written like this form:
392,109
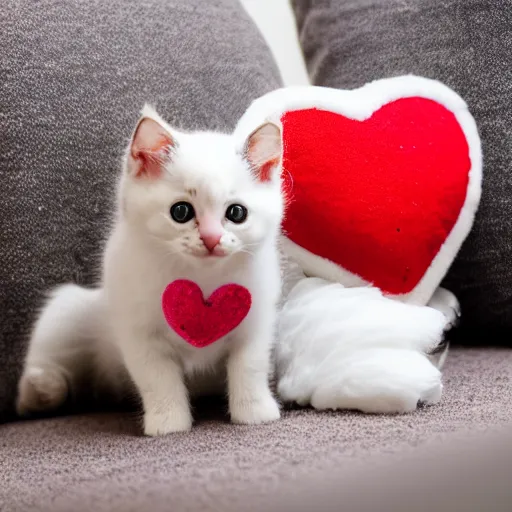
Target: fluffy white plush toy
383,183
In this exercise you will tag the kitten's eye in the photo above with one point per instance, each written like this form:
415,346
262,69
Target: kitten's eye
182,212
236,213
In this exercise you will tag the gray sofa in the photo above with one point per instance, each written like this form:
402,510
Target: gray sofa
74,76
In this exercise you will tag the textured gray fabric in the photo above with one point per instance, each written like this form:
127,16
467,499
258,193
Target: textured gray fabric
466,44
101,462
74,76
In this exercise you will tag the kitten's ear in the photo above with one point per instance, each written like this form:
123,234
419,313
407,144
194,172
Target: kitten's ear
263,150
151,145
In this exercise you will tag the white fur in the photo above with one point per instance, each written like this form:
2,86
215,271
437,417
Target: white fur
121,324
445,301
360,104
353,348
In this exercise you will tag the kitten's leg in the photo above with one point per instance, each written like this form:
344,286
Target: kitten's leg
250,398
60,348
160,382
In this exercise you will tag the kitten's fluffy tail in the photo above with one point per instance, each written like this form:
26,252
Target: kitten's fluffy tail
68,339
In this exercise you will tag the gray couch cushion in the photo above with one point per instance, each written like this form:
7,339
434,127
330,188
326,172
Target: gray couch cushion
74,77
467,45
101,463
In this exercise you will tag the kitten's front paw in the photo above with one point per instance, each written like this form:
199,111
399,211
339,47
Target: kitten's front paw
41,389
258,410
160,424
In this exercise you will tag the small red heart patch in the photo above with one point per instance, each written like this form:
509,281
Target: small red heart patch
378,197
201,322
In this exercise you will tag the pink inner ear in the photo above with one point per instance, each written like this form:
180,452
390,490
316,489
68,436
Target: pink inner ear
264,172
150,146
263,151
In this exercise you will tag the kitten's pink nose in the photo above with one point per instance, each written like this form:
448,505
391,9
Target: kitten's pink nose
210,231
210,241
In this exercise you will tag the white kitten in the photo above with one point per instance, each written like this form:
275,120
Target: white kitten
189,207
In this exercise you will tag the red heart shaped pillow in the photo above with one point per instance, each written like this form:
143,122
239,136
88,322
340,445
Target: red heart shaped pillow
382,182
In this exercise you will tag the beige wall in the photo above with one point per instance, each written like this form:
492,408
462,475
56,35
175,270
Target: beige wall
276,22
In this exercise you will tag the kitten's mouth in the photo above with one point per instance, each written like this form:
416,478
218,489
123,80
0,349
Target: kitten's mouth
214,255
204,254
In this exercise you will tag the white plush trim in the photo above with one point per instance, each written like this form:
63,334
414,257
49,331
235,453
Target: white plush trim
360,104
353,348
